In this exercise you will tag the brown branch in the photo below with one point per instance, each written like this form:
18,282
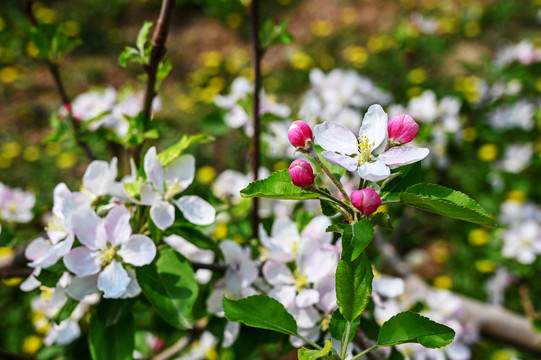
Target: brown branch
10,356
257,54
181,345
156,55
55,73
15,273
492,320
221,268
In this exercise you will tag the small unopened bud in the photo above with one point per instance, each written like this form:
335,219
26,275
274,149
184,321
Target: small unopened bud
402,129
301,173
299,132
366,200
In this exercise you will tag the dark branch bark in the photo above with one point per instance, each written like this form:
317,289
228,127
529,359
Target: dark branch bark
180,345
55,73
257,54
15,273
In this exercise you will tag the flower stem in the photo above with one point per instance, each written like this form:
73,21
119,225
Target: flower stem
346,207
364,352
313,154
345,341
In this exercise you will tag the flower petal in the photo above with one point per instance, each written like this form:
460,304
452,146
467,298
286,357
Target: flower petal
133,288
113,280
307,297
196,210
117,225
335,137
38,248
154,169
348,163
374,171
82,261
148,195
181,171
163,214
80,287
277,273
139,250
374,127
403,155
89,228
97,177
284,294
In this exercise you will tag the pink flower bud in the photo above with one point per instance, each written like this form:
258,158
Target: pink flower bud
366,200
402,129
299,132
301,173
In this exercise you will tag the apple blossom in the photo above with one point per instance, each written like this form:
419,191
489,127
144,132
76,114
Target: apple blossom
299,133
301,173
15,204
107,245
402,129
165,183
366,200
365,154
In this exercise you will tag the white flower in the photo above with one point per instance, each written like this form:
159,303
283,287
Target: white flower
92,104
522,241
516,158
365,154
108,244
165,183
16,205
193,253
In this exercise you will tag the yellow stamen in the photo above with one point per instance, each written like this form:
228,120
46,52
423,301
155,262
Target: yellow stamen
107,255
300,281
365,148
173,188
46,292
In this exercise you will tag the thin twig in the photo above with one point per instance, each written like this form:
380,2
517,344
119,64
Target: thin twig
180,345
257,54
55,73
221,268
15,273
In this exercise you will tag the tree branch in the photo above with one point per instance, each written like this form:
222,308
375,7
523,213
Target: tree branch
180,345
257,54
55,73
492,320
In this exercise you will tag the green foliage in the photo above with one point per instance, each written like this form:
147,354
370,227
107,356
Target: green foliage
66,310
355,239
170,154
353,286
277,186
338,324
273,34
141,53
382,220
114,342
261,311
169,285
306,354
447,202
408,327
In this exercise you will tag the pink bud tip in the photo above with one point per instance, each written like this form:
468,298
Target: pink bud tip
366,200
301,173
299,132
402,129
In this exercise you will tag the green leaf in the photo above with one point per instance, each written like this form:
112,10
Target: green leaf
115,342
169,155
338,324
277,186
164,68
260,311
129,54
408,327
382,220
169,285
142,37
134,189
448,202
305,354
353,286
65,311
355,239
110,311
41,42
337,228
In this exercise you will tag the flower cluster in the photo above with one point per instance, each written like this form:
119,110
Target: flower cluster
15,205
105,108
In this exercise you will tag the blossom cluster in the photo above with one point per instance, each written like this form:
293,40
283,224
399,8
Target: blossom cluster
16,205
97,237
107,109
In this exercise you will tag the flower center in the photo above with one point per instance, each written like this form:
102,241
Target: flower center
365,148
12,207
46,292
54,224
300,281
325,322
173,187
107,255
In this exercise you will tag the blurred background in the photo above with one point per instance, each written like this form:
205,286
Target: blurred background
469,71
